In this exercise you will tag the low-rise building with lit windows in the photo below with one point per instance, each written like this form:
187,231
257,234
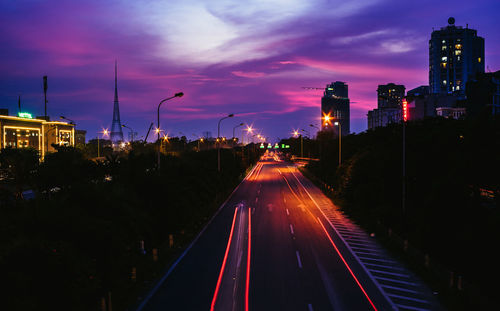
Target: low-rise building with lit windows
23,131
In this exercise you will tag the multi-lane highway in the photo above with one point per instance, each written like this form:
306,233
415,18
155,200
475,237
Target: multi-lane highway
279,244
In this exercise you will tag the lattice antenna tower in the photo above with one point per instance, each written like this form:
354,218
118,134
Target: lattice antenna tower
116,127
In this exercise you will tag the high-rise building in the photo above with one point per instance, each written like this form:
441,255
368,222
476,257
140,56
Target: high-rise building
335,108
455,54
116,126
389,99
390,95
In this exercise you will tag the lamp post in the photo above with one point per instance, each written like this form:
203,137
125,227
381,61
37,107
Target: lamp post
249,130
236,126
219,139
104,133
317,138
296,133
131,130
180,94
337,123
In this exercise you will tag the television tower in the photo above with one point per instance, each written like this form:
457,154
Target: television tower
116,127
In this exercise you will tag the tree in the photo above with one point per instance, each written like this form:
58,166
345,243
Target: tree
19,165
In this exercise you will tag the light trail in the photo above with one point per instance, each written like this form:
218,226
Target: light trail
217,287
247,285
330,239
347,265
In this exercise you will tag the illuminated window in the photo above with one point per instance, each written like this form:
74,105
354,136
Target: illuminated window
443,48
444,58
458,46
443,65
458,52
459,58
444,82
444,41
479,59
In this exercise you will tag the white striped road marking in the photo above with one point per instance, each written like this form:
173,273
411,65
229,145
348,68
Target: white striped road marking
291,229
287,212
298,259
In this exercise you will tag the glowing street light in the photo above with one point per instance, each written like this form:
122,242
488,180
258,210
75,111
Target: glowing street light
297,134
104,132
326,119
180,94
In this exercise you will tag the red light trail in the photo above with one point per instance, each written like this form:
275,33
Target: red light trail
214,299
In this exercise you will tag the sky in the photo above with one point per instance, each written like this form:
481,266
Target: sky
247,57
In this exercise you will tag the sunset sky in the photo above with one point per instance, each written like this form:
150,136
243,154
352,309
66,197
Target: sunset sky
248,57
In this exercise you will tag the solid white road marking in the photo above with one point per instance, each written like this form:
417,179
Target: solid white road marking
291,229
298,259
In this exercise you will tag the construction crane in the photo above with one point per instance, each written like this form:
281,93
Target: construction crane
322,88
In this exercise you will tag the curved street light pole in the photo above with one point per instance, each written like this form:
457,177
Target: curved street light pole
234,128
180,94
131,130
218,137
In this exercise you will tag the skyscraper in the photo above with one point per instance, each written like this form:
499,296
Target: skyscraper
455,54
389,99
335,108
116,126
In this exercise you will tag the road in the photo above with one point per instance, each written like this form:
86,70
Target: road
279,244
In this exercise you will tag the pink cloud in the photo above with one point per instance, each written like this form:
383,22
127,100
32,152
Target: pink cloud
248,74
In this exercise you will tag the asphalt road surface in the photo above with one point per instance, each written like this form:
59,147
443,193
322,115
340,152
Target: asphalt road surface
274,245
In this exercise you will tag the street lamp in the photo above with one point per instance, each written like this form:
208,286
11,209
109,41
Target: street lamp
296,133
104,133
131,130
218,137
180,94
337,123
249,130
236,126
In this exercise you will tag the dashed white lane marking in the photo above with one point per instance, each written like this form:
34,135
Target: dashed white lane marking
310,307
284,200
256,200
298,259
287,212
291,229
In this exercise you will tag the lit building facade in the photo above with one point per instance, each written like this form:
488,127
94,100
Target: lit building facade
455,54
389,99
450,113
390,95
335,107
23,131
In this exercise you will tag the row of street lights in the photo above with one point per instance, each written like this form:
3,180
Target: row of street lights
326,121
105,132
